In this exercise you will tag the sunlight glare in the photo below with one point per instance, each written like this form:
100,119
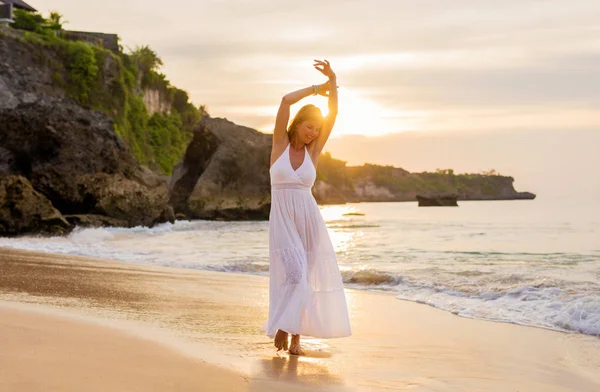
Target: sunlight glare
357,115
336,212
337,220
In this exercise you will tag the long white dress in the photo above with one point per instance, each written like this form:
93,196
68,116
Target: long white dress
306,294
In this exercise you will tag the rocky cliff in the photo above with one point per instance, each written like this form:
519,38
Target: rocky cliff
375,183
76,141
61,163
225,175
156,101
72,157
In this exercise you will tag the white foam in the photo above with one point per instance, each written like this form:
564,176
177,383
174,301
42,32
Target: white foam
545,307
512,283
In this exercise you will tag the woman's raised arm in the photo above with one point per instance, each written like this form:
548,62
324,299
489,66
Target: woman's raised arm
325,68
283,115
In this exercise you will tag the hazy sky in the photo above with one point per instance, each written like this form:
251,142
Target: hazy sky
515,80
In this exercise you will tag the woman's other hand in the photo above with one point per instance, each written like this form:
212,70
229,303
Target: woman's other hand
325,68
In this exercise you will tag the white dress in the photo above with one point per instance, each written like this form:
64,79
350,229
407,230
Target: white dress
306,293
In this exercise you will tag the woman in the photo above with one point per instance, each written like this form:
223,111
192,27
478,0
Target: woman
306,294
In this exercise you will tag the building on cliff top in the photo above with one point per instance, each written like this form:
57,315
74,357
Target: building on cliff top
108,41
6,10
19,4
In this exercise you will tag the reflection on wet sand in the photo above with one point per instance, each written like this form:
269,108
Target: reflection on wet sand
308,369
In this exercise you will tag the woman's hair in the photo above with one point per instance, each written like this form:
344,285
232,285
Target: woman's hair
307,112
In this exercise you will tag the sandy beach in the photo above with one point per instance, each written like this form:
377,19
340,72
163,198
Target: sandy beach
74,323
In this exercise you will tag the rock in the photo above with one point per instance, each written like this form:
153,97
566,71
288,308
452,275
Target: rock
70,154
123,199
366,190
224,173
7,99
195,161
168,215
56,141
7,162
524,196
73,156
151,179
437,200
156,101
325,193
181,216
25,211
28,70
28,98
93,220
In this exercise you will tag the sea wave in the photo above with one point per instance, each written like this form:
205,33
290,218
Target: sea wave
245,267
512,298
370,277
498,286
546,305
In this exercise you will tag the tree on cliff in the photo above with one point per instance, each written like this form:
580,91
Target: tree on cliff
55,21
146,60
34,22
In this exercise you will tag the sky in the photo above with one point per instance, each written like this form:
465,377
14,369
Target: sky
471,85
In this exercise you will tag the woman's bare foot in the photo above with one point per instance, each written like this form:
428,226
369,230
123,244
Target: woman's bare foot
295,348
281,340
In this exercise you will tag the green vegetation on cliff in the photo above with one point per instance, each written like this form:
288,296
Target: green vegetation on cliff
333,171
31,21
115,83
404,184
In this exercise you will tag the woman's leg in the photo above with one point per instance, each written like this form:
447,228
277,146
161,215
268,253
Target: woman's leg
295,347
281,340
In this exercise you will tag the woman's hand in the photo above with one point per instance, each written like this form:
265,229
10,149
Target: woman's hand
324,89
325,68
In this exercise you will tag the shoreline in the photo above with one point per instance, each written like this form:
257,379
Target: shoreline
348,286
215,317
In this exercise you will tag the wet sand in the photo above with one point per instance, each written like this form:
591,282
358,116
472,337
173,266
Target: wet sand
75,323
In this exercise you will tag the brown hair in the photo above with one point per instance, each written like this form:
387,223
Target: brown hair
307,112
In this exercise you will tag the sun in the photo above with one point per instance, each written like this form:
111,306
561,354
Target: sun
356,115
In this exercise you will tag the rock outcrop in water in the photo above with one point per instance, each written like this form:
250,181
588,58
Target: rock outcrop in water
437,200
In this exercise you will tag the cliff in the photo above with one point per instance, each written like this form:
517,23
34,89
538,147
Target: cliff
375,183
61,161
89,136
225,175
154,118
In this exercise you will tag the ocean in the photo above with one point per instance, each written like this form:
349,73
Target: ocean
529,262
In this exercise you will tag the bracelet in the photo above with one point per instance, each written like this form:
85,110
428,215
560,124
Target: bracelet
315,89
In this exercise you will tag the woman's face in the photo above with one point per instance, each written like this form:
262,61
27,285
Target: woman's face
308,130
